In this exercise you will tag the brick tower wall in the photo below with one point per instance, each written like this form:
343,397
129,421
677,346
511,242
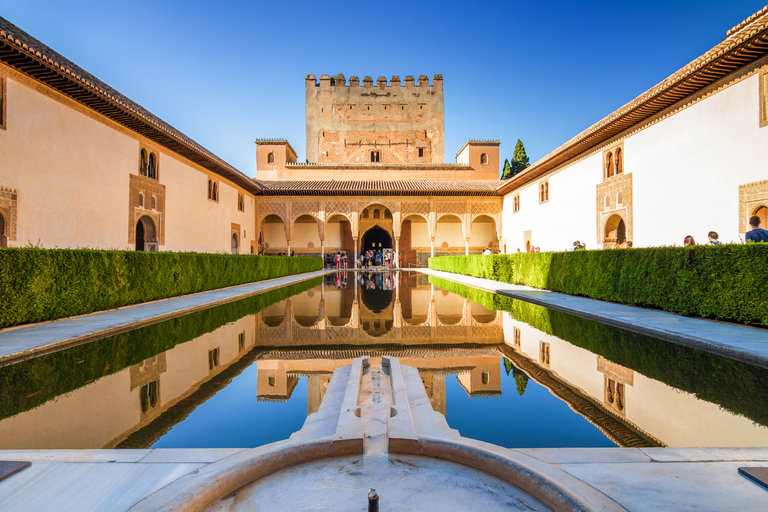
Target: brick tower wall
403,122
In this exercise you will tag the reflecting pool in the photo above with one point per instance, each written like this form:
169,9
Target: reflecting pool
503,371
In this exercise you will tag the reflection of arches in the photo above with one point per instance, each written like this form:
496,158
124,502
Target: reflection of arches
146,233
376,238
615,231
483,315
235,244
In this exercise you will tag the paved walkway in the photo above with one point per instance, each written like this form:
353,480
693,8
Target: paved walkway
747,344
26,341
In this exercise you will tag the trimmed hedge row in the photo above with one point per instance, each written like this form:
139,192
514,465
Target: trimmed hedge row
728,282
737,387
31,383
46,284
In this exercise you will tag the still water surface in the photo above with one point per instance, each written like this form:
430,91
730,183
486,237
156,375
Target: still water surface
502,371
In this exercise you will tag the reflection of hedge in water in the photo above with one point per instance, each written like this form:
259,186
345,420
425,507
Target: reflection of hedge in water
737,387
725,282
28,384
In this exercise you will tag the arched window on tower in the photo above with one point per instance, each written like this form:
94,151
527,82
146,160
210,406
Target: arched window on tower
609,165
152,167
143,163
484,159
271,158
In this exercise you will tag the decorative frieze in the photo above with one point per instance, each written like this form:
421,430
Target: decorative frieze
410,207
271,208
311,208
8,209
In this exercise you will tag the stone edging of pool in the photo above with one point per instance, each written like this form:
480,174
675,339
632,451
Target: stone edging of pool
27,341
739,342
413,429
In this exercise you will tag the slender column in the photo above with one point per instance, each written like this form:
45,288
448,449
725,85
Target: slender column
288,243
466,247
322,250
397,252
432,246
356,255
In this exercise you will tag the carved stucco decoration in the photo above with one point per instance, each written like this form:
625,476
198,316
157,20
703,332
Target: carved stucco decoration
151,191
339,207
411,207
271,208
8,208
311,208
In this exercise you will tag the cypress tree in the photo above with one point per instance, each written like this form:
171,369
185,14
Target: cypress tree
519,159
507,173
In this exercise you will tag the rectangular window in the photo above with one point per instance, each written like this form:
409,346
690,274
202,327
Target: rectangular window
213,358
374,156
421,152
544,353
241,341
517,337
544,192
763,97
240,202
516,203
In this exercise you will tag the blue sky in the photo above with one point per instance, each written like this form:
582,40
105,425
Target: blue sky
228,72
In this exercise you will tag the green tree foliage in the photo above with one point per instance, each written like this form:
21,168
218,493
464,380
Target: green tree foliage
508,365
521,379
519,159
507,173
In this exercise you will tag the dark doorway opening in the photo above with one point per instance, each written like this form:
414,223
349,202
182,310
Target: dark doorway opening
376,238
146,235
3,238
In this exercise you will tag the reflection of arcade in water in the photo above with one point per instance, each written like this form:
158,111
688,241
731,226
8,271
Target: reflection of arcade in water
369,313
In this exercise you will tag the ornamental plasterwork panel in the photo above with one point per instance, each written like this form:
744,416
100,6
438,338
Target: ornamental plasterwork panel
311,208
362,205
615,372
342,207
8,208
456,207
614,197
153,197
422,207
751,197
271,208
484,207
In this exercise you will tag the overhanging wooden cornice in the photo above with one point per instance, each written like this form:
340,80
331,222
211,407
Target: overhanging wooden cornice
744,46
32,58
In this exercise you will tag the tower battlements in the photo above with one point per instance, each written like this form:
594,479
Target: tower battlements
354,121
327,81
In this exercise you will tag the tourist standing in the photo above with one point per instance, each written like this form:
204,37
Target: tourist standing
713,238
688,241
344,259
756,234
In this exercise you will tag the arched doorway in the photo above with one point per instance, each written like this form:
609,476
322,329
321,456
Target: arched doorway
146,235
376,238
272,234
235,244
3,237
615,232
762,213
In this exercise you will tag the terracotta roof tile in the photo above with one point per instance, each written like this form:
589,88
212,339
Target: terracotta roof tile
380,187
29,56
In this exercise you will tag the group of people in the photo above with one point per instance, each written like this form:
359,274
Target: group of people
378,258
755,235
377,280
337,261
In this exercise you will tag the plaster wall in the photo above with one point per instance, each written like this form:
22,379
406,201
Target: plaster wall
569,214
71,173
195,223
304,234
71,170
688,168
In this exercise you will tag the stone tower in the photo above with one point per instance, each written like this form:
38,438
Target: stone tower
388,123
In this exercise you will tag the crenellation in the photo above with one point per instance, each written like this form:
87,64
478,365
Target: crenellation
389,122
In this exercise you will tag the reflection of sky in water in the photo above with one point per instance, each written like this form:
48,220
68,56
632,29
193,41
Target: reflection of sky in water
537,419
233,418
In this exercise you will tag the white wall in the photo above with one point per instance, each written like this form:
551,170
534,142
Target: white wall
688,168
686,171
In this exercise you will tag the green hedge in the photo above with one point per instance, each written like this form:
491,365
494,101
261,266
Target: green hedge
46,284
737,387
728,282
31,383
